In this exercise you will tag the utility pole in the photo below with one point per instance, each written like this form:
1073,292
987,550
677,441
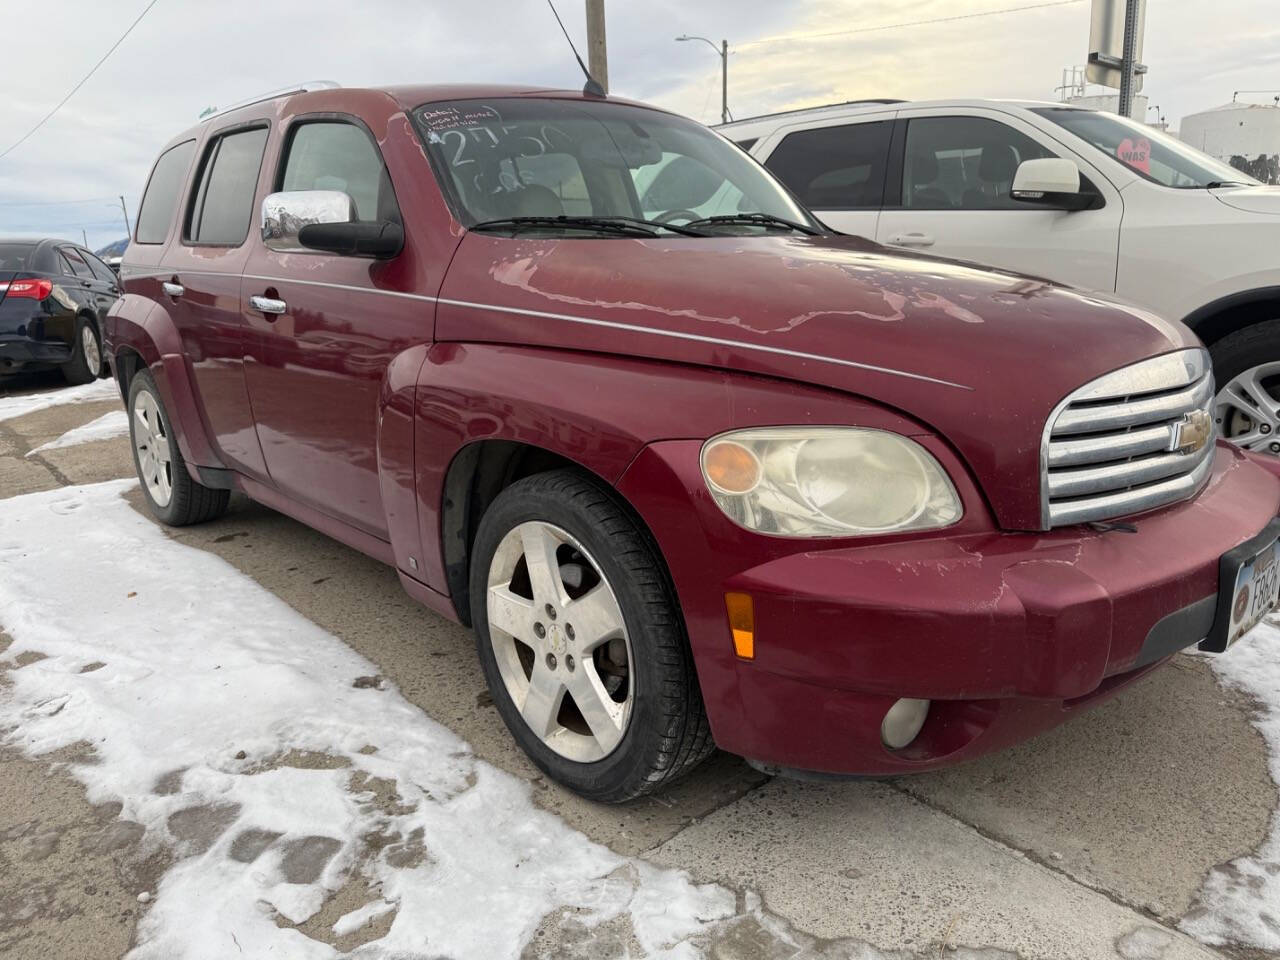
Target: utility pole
86,238
1128,58
597,49
125,210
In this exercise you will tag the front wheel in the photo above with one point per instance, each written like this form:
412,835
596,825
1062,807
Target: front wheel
582,642
173,497
1246,366
85,365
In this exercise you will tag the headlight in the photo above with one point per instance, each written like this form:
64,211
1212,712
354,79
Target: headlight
827,482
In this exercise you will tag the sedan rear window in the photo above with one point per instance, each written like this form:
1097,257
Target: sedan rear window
13,256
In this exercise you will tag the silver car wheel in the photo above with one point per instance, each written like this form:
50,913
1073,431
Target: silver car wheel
1247,410
560,641
151,444
89,346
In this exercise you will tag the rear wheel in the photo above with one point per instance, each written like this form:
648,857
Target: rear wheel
171,494
581,641
1246,366
85,364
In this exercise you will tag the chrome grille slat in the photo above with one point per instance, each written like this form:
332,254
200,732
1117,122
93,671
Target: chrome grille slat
1106,479
1098,417
1110,446
1107,450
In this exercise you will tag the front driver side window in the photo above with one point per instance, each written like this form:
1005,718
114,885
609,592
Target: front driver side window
335,155
963,163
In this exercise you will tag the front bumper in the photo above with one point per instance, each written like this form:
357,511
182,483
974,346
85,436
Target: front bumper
1008,633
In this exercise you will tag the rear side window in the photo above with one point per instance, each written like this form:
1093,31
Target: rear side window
223,204
100,269
340,156
75,263
835,168
161,196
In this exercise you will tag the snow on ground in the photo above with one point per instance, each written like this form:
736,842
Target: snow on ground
1240,900
106,427
195,687
24,403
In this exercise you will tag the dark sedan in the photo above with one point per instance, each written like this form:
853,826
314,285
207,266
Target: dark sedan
54,298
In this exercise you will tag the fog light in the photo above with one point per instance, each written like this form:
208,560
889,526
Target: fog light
902,723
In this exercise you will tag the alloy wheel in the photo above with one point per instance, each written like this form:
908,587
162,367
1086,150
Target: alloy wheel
151,444
89,346
1247,410
560,641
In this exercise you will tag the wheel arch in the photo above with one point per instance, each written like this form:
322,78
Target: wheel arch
476,475
1215,320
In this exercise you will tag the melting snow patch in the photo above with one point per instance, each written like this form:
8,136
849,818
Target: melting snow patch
1240,901
106,427
22,404
228,727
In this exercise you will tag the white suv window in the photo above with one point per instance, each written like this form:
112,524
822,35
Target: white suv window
835,168
963,163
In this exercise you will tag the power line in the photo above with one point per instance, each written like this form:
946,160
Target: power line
908,23
48,116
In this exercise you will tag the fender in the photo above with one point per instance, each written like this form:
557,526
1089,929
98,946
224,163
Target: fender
395,453
1208,321
143,326
600,413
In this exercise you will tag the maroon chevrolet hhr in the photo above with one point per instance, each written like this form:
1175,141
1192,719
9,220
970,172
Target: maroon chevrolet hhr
698,470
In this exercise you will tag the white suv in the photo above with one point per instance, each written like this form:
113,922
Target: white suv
1074,195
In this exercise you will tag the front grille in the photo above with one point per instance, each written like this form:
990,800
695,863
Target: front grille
1111,448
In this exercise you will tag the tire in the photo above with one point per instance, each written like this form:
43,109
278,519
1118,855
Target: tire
665,733
85,365
172,496
1249,358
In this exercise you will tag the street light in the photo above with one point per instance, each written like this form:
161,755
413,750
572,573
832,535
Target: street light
1159,116
723,51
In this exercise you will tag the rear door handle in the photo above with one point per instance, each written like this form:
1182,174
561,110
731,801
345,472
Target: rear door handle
267,305
911,240
174,289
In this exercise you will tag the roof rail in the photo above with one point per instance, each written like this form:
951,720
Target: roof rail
306,87
825,106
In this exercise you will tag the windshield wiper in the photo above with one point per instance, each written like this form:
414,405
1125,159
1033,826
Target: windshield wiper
757,220
625,226
1215,184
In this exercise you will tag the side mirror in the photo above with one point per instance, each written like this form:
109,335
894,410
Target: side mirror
285,214
1050,182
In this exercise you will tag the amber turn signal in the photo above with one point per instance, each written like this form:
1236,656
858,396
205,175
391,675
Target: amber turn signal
742,623
731,467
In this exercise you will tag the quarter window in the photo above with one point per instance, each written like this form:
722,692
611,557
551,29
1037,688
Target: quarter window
161,196
835,168
964,163
340,156
75,263
223,204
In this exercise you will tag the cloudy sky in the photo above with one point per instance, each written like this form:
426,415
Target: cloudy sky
185,56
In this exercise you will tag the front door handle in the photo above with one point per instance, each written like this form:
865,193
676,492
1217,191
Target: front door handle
174,289
267,304
911,240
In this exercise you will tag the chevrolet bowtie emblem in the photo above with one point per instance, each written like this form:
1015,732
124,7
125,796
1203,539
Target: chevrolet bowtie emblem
1192,432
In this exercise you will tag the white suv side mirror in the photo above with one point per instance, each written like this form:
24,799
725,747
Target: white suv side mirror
1050,182
284,215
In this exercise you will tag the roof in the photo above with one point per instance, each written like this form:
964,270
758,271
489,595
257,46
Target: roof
876,106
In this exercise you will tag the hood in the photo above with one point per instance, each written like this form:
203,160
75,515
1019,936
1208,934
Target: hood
1260,199
979,357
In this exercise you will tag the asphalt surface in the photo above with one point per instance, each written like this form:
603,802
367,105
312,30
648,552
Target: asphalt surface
1090,841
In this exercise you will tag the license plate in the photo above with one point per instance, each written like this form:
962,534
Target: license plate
1256,591
1248,588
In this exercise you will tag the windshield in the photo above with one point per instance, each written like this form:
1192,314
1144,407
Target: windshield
1146,150
540,158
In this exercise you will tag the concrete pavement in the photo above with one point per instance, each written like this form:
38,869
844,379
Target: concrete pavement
1091,841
